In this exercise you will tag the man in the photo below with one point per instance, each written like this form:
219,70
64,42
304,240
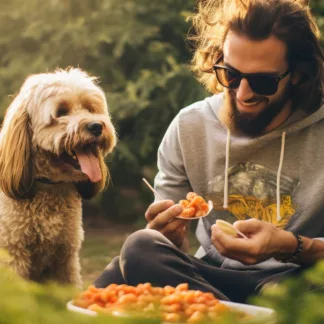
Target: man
255,149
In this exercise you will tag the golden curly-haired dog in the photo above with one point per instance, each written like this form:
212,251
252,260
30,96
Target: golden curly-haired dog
55,135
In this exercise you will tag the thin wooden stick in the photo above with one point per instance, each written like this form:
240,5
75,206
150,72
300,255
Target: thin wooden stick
152,189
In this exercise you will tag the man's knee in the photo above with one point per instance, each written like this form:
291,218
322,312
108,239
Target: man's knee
141,248
142,241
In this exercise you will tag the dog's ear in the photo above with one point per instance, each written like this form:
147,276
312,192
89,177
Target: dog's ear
89,189
16,179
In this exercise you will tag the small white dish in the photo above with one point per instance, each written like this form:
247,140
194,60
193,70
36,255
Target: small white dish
229,229
210,205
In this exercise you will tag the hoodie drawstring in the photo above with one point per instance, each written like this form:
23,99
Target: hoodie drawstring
227,156
282,153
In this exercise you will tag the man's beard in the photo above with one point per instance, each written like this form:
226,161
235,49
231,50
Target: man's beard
249,124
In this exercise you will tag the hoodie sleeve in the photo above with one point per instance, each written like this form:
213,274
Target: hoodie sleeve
171,181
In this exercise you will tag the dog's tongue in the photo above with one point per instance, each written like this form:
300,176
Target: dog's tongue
89,164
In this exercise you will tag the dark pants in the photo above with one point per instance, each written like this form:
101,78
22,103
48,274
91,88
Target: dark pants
147,256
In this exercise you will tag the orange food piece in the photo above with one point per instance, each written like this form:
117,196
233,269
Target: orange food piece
193,206
191,195
184,203
188,212
202,210
171,317
171,304
196,201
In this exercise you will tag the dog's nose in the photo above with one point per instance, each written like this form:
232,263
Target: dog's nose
95,128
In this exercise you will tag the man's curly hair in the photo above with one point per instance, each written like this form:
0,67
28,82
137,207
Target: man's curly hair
291,21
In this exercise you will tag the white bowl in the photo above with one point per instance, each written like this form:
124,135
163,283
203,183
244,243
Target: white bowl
260,314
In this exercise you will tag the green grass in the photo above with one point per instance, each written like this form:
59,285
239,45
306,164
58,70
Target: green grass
102,244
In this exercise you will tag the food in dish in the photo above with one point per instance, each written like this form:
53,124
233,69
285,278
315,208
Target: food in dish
170,304
193,206
227,227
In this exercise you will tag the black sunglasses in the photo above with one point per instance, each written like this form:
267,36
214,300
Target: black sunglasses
260,83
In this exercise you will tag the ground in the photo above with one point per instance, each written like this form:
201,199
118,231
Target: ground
102,244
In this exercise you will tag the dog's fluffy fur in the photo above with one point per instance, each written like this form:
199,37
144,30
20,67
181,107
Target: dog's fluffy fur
53,141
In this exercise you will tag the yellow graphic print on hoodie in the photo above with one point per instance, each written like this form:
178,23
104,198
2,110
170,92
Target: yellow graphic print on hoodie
252,194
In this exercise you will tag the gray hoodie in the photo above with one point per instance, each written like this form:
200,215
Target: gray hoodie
277,177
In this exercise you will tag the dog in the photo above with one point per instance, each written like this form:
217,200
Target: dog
53,141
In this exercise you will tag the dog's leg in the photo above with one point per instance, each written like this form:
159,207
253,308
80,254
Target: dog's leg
66,268
74,270
20,262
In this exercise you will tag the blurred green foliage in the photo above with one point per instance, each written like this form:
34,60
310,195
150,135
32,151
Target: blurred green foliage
297,300
25,302
138,49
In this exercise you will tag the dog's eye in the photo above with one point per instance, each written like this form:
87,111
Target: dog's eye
62,110
90,108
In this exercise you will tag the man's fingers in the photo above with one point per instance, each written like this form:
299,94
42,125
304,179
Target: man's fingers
176,225
163,218
256,248
248,226
226,242
156,208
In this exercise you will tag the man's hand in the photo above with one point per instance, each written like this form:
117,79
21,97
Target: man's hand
264,241
161,217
